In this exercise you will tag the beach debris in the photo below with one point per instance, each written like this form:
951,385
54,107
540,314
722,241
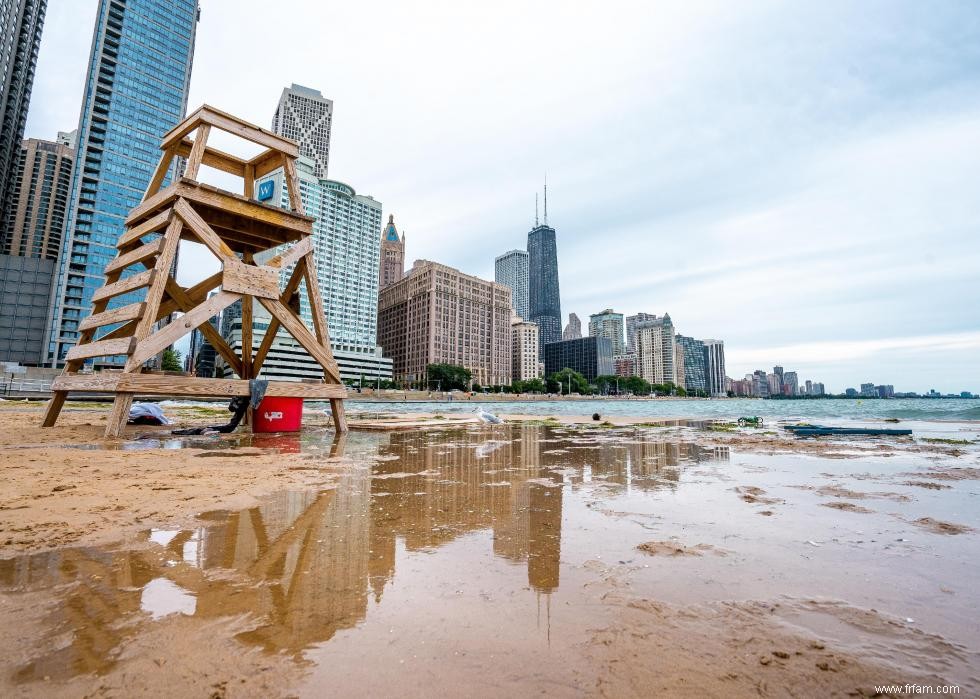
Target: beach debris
753,421
596,417
487,417
814,543
146,414
808,430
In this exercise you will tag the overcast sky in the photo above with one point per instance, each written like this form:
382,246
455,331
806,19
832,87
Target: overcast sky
799,179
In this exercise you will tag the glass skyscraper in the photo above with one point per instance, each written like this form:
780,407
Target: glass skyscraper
544,300
695,363
510,269
135,91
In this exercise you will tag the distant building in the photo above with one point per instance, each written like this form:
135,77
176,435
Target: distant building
25,288
868,390
743,387
885,391
679,379
809,387
392,266
306,116
625,364
524,341
777,389
511,270
608,324
818,389
851,392
136,85
573,330
715,366
760,383
39,195
631,323
775,384
655,350
544,294
21,22
439,315
695,363
590,356
791,384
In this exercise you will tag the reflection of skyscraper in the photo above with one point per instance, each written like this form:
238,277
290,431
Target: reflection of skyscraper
544,297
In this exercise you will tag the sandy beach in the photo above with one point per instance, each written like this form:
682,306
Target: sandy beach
425,554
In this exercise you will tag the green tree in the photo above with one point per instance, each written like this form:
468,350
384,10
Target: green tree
637,386
446,377
562,381
171,360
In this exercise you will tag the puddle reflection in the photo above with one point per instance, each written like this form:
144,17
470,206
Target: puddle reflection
304,565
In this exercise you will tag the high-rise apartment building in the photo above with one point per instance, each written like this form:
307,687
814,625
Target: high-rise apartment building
439,315
590,356
791,384
631,323
625,364
511,270
346,247
392,266
135,92
695,364
306,116
40,191
609,324
30,242
544,297
20,33
655,350
524,341
715,365
573,330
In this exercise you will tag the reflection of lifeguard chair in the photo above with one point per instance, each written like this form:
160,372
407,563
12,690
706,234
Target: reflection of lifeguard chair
233,227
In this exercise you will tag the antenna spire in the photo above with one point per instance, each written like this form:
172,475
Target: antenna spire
546,199
535,209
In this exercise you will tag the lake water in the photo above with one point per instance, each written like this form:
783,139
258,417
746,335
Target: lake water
953,409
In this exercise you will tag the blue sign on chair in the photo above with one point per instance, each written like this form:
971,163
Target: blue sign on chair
266,190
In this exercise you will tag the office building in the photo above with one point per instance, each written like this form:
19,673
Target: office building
39,198
20,31
885,391
511,270
346,247
808,387
631,323
679,379
760,383
544,296
868,390
439,315
818,389
590,356
609,324
624,364
524,341
715,366
573,330
25,288
306,116
775,386
655,350
791,384
392,267
135,92
695,364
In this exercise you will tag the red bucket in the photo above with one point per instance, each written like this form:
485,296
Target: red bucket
276,414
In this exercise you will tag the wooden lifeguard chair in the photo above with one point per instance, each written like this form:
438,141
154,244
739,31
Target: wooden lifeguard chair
235,227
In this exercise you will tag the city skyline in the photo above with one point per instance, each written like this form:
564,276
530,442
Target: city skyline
802,183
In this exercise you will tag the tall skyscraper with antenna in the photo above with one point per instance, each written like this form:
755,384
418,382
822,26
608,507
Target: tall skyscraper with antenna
544,297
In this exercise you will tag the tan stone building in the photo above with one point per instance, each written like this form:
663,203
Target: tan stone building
655,351
41,187
439,315
392,267
524,341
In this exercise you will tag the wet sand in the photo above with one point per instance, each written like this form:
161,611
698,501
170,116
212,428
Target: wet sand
486,560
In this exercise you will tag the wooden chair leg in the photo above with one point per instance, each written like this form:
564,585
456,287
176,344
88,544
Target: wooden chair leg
337,408
119,415
53,410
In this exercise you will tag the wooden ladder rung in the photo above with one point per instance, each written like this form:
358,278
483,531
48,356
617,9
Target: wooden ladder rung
124,285
150,225
141,253
102,348
113,315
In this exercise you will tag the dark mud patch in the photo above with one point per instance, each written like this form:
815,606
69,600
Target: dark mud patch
755,496
847,507
928,484
937,526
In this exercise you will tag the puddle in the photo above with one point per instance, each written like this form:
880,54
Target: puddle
487,556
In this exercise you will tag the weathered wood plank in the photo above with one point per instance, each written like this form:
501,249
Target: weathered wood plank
112,316
102,348
150,225
270,332
288,257
197,151
162,384
119,415
254,280
166,336
292,185
140,254
160,174
203,231
124,286
218,159
187,300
